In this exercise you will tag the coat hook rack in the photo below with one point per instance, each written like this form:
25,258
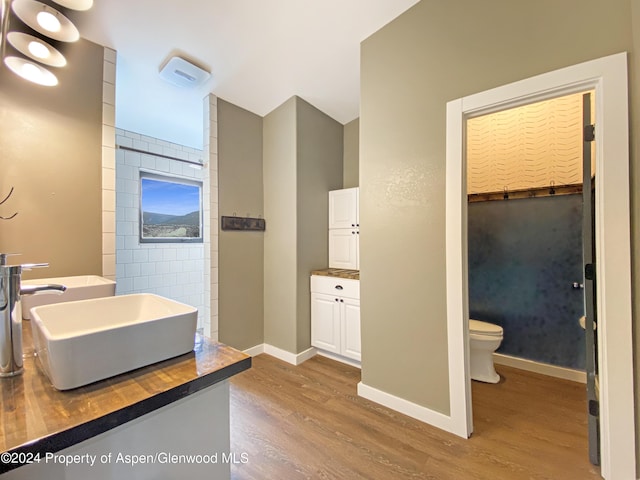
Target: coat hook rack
243,223
3,201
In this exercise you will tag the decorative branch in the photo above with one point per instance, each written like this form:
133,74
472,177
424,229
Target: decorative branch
7,197
3,201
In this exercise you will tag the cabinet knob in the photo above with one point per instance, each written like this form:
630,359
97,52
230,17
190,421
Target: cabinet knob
339,287
337,300
342,300
353,233
353,224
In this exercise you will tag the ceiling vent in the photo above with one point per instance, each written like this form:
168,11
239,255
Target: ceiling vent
182,73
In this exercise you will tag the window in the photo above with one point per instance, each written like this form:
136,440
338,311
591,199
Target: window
170,209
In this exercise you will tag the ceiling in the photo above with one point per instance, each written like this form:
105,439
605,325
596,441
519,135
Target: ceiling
260,53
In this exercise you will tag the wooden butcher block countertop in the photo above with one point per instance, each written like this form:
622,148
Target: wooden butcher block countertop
338,272
37,418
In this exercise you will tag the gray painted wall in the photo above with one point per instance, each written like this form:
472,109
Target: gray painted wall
351,157
302,162
319,147
241,254
51,152
280,237
434,53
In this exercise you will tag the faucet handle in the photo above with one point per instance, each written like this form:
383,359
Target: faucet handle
29,266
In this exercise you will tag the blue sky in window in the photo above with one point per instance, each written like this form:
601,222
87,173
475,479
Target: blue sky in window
169,198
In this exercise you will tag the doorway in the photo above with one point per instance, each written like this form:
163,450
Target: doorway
608,77
525,251
524,184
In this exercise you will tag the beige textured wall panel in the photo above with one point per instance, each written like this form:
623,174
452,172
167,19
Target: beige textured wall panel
532,146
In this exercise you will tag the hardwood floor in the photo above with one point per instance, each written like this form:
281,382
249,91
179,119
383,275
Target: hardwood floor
307,422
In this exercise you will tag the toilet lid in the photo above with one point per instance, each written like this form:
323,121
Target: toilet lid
484,328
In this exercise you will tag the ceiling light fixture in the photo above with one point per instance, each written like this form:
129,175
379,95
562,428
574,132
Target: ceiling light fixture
35,29
36,49
48,21
45,20
80,5
31,71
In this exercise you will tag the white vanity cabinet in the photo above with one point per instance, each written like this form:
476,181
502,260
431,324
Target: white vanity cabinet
335,316
344,229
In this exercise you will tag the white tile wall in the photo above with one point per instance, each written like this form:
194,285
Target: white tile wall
210,108
108,165
173,270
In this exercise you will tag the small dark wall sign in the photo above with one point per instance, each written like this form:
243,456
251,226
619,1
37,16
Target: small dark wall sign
243,223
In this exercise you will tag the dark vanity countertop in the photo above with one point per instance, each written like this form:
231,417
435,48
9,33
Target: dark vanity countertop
37,418
338,272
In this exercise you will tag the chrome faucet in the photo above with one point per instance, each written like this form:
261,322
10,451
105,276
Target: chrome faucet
11,290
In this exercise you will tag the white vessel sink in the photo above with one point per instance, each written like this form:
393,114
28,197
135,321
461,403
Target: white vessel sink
81,287
81,342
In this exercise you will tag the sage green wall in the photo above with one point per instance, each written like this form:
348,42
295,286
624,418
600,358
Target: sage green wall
51,152
319,150
351,157
302,162
280,238
436,52
241,254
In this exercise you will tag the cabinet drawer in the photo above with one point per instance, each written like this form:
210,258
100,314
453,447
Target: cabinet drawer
335,286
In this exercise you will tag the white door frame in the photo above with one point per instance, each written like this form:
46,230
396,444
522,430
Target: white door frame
608,76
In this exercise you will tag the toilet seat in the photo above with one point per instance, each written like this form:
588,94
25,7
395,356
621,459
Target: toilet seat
478,327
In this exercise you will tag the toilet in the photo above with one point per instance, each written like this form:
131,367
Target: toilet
484,339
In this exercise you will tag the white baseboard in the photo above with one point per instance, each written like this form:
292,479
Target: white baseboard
256,350
340,358
285,356
543,368
406,407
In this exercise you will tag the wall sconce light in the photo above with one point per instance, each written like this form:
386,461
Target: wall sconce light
36,32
